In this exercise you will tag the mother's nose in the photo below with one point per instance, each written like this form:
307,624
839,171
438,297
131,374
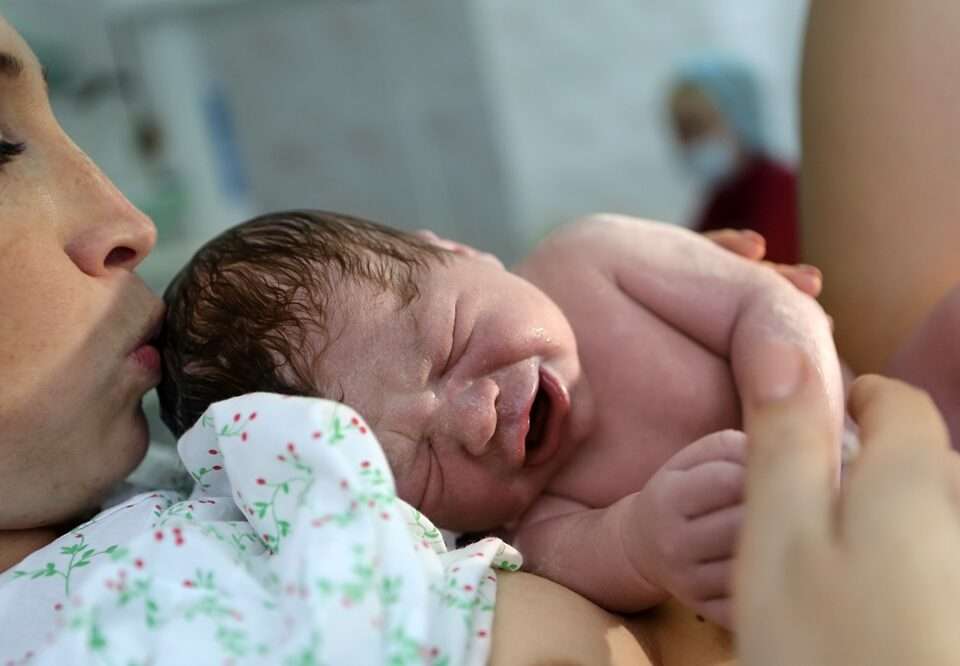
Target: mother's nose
103,231
468,415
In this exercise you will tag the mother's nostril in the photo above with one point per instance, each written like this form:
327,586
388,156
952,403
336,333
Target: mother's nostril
119,256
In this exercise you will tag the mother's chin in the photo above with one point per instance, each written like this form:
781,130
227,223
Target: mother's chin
62,462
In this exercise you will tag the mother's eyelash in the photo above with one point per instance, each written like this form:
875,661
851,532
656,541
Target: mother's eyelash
9,150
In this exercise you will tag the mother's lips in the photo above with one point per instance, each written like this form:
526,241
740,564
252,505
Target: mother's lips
145,352
151,329
148,356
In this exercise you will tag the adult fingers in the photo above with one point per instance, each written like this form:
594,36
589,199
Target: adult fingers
791,468
743,242
894,417
953,476
904,463
806,278
792,452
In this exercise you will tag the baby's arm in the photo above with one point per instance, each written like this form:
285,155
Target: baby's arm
738,309
675,537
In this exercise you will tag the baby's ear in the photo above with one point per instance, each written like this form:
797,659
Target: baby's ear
455,247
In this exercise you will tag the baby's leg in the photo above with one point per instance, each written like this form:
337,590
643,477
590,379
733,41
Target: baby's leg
930,359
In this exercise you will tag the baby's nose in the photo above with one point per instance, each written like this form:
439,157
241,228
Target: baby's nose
470,416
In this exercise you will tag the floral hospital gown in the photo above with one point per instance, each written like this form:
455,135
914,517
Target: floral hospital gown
293,548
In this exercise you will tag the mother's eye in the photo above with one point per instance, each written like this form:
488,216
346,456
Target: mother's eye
9,150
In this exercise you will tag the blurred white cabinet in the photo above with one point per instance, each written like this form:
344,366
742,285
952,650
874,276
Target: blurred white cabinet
373,107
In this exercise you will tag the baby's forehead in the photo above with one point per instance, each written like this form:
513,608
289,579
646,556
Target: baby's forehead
401,314
372,317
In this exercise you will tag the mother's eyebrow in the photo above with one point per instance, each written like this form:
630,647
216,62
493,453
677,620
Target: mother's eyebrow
10,65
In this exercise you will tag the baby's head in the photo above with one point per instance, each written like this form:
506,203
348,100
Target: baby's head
448,356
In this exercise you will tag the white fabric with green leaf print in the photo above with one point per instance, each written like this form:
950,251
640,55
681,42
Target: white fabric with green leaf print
292,549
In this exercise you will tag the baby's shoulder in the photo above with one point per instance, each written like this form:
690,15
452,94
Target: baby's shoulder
604,241
590,233
571,253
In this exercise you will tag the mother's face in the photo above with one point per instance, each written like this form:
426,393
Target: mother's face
72,313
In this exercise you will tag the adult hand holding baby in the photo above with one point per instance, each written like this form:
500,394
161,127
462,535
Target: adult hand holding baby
691,509
742,242
751,245
868,576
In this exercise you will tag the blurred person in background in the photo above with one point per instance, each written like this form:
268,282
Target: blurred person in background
716,114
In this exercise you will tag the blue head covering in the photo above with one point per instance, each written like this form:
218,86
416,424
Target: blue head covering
734,89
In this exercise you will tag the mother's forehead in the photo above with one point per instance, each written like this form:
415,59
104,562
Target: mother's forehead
16,51
9,38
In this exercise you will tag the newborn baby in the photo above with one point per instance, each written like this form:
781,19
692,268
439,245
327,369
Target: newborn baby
585,403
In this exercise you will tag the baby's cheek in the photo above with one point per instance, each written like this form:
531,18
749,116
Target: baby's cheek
410,492
409,473
474,505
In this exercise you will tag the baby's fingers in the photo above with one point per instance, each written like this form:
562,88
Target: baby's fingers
707,581
714,536
710,487
719,611
729,445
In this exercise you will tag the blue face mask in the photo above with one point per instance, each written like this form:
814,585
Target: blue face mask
712,160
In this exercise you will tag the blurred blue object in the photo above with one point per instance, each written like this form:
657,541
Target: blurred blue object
733,88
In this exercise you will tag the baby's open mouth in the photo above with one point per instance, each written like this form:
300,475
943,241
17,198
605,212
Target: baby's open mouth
539,416
548,413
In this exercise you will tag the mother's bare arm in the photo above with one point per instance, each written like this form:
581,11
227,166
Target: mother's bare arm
881,156
930,359
540,623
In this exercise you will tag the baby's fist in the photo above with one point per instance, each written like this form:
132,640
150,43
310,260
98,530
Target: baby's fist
692,512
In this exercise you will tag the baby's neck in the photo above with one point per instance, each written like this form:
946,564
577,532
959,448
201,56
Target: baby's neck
18,544
583,412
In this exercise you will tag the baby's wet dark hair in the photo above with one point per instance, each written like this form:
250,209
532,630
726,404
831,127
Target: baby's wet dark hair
240,313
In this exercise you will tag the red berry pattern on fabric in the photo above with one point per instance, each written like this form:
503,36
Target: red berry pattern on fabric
274,476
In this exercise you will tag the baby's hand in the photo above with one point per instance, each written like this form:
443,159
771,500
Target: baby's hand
691,511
